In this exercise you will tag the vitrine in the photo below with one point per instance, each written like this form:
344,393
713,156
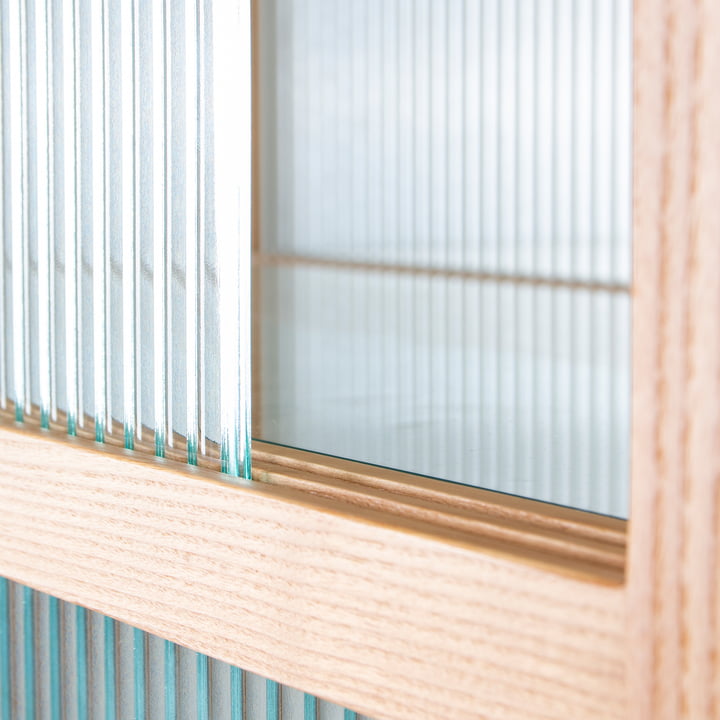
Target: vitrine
425,599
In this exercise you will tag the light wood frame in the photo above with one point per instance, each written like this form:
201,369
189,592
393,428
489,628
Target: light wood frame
407,597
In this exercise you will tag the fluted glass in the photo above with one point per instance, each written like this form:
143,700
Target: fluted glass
125,304
444,260
58,660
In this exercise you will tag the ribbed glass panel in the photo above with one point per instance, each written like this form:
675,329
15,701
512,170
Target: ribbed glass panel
445,254
58,660
125,303
124,298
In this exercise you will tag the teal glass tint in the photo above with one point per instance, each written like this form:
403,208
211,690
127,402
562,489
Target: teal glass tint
125,202
58,660
5,662
444,262
125,306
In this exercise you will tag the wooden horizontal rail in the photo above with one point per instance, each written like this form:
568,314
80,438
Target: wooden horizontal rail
523,524
387,612
565,533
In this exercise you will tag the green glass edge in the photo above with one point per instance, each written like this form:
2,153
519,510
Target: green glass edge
139,673
4,650
29,649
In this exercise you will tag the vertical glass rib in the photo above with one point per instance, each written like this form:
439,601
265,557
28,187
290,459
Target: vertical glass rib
24,370
160,139
109,654
43,217
310,707
272,700
232,138
517,453
192,263
3,185
53,610
134,269
81,662
538,445
76,418
349,715
53,142
497,209
594,489
554,461
4,650
139,670
170,681
130,107
69,214
465,381
237,697
202,102
203,698
28,640
109,188
169,52
98,54
572,471
18,176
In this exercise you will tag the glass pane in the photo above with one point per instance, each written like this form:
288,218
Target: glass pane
444,261
126,139
59,660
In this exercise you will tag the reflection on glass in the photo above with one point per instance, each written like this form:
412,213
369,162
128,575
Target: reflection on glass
444,265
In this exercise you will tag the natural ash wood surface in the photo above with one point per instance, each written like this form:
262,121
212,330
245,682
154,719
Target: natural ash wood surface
673,594
390,616
526,525
401,485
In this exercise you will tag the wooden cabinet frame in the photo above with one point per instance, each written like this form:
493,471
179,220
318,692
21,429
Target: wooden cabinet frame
404,597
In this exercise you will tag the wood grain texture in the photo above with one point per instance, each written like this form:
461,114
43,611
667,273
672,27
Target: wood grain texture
566,533
673,595
389,615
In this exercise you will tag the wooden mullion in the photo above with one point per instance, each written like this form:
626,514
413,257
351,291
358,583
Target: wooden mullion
673,596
